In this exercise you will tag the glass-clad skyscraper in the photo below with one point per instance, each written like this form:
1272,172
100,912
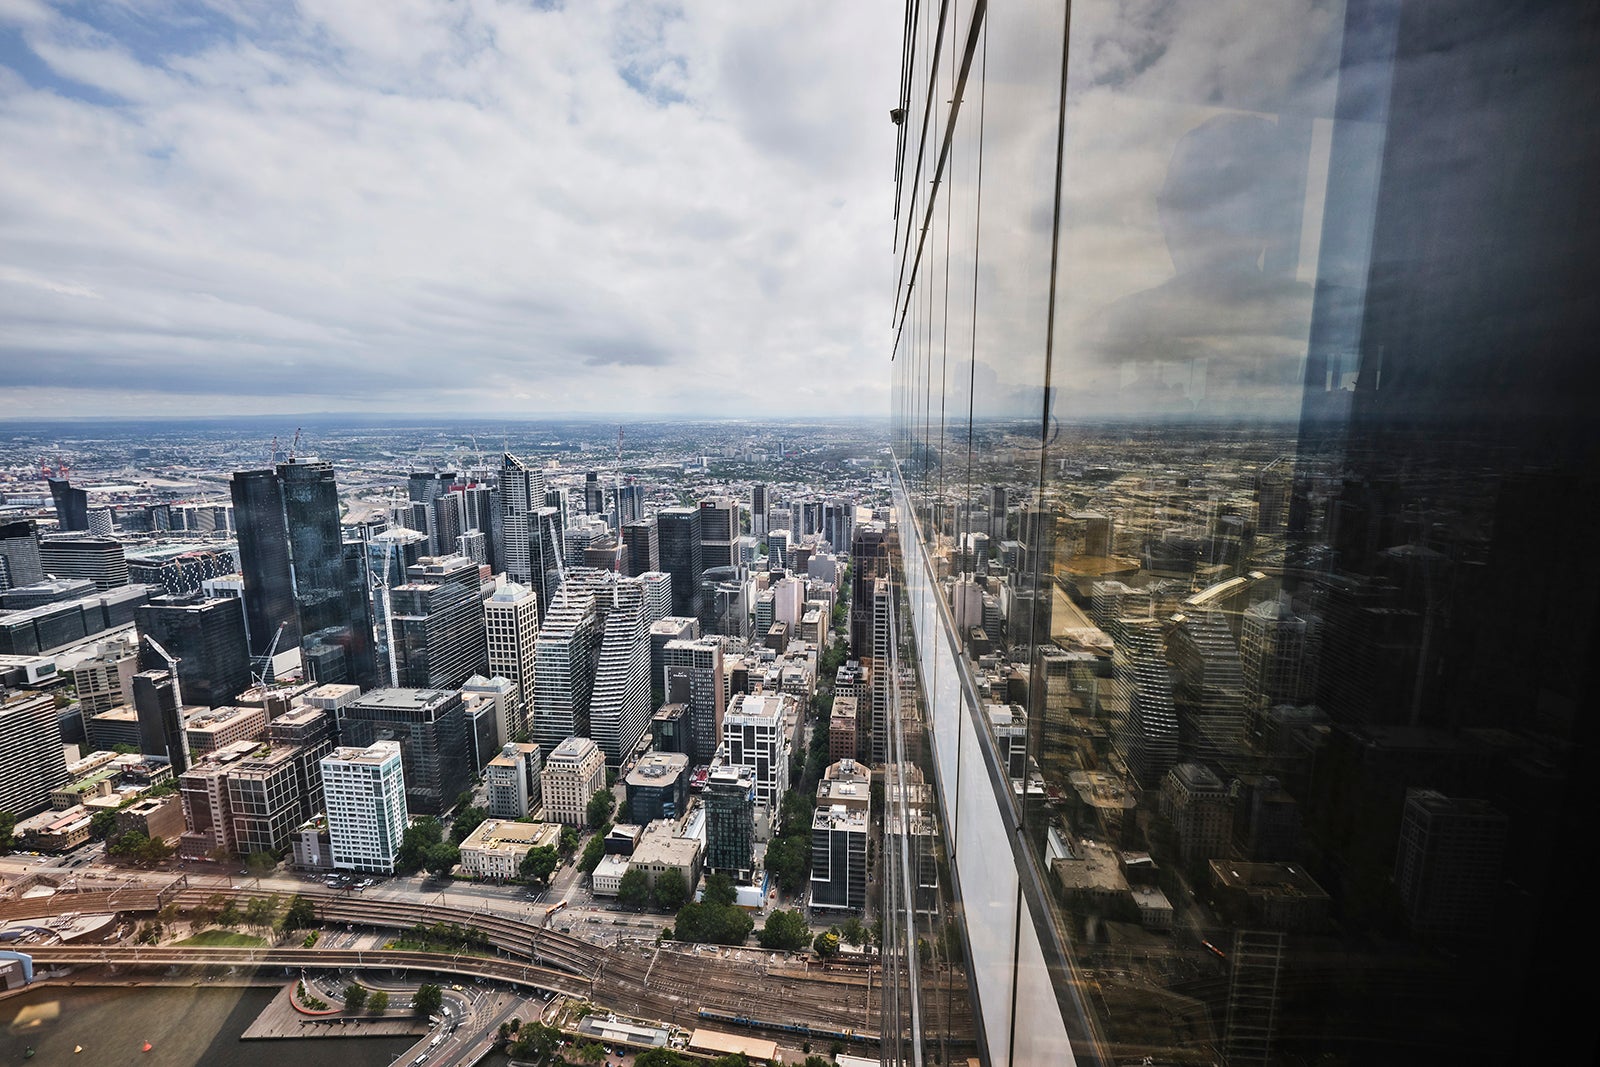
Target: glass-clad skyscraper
299,574
1244,438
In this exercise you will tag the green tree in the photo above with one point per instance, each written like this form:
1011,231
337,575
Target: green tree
789,860
594,851
355,997
441,859
713,924
589,1052
260,863
670,891
378,1003
719,890
601,805
419,837
535,1043
463,800
661,1057
467,820
853,932
569,841
428,1000
633,891
785,931
261,911
102,825
300,914
8,826
826,944
229,915
538,865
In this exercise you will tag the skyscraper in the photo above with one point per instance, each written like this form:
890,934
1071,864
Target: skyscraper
521,491
72,505
19,554
439,628
693,676
365,796
678,543
719,529
619,708
758,511
511,621
643,552
431,729
31,762
206,634
564,663
1322,350
298,575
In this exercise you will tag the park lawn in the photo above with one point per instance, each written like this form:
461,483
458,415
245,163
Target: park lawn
225,938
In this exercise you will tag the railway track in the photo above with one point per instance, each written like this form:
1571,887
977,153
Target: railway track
657,983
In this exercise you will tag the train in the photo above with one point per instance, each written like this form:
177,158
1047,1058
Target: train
712,1015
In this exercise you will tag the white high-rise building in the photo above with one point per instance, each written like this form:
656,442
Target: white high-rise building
511,616
657,602
754,737
619,707
364,790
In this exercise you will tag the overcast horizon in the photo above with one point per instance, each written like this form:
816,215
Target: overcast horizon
219,207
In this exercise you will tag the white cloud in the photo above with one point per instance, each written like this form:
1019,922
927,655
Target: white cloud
613,207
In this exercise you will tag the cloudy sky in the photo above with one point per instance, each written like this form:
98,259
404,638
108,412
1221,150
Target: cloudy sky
232,206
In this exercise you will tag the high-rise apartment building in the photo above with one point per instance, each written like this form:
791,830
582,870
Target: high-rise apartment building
693,675
755,737
521,491
31,762
679,554
19,554
730,801
758,511
431,729
511,622
364,791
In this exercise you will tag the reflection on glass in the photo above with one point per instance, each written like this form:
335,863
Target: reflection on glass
1244,427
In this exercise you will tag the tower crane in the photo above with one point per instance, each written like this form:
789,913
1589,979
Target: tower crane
177,692
263,679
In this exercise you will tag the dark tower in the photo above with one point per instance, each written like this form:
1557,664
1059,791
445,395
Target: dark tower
72,505
678,542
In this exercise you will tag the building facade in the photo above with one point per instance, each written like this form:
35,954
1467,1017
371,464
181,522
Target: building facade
365,795
573,771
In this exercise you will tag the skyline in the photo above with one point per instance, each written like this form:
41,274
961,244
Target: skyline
623,207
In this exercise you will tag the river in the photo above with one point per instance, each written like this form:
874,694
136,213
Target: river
185,1026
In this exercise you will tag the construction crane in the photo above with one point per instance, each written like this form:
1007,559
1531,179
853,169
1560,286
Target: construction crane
295,445
262,678
177,694
382,583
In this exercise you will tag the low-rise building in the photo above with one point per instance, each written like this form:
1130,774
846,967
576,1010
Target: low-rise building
607,876
220,727
1269,896
842,727
311,845
660,849
153,817
495,849
55,831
